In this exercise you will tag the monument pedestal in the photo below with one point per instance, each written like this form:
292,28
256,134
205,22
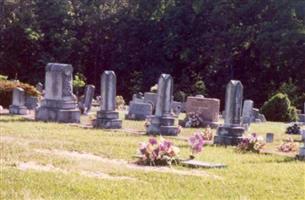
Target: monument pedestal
229,135
18,110
162,126
108,120
58,111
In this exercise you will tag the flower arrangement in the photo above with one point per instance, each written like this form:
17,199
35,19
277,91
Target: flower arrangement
288,146
156,152
207,134
147,123
251,143
192,119
196,143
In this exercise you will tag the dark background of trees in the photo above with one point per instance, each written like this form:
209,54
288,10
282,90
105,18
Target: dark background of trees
201,43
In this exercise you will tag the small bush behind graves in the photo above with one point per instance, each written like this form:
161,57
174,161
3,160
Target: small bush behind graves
252,143
279,108
120,102
294,129
7,87
193,120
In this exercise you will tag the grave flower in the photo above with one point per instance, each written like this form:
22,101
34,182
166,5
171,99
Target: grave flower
253,143
288,146
196,143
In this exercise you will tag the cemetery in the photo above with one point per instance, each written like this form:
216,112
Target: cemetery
103,125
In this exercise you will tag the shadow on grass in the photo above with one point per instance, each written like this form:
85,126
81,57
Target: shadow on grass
15,118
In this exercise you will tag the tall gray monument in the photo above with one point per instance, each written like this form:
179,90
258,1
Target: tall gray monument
231,132
59,103
18,102
107,117
163,122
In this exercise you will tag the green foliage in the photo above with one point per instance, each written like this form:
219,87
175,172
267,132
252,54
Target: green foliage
7,87
279,108
261,43
79,82
3,78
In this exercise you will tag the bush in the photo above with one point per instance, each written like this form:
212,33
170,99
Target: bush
279,108
7,87
120,102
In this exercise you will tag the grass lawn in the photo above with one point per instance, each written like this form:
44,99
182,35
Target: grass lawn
59,161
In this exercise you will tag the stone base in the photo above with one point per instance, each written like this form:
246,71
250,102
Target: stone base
57,115
162,126
137,117
228,135
108,120
301,155
18,110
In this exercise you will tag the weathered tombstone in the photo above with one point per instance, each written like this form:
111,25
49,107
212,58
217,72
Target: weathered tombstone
302,149
269,137
151,98
207,108
107,117
199,96
86,103
18,103
177,107
31,102
139,111
231,132
59,103
138,98
39,87
163,121
247,112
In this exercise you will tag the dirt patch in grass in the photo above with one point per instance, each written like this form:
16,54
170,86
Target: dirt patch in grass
125,164
50,168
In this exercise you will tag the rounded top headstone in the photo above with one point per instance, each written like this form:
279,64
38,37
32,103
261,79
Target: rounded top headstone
66,68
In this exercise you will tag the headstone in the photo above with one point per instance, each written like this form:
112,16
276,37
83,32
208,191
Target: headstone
59,103
269,137
302,149
31,102
139,111
86,103
247,112
163,122
18,106
199,96
107,117
138,98
151,98
207,108
177,107
39,87
231,132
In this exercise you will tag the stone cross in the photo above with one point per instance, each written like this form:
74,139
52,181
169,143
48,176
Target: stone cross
108,91
165,98
233,104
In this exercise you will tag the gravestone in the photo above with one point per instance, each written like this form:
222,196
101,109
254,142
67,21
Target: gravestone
231,132
18,104
247,112
302,149
31,102
163,122
107,117
177,107
59,103
138,98
39,87
151,98
207,108
269,137
139,111
86,103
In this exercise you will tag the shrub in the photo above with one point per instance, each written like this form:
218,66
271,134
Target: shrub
279,108
7,87
120,102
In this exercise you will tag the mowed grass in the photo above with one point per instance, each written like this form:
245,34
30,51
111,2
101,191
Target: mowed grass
248,176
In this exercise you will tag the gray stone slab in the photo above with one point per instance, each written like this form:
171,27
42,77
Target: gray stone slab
201,164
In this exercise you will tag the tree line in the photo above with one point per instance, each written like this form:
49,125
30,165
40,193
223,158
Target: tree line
201,43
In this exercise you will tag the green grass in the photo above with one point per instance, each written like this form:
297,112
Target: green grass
248,176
